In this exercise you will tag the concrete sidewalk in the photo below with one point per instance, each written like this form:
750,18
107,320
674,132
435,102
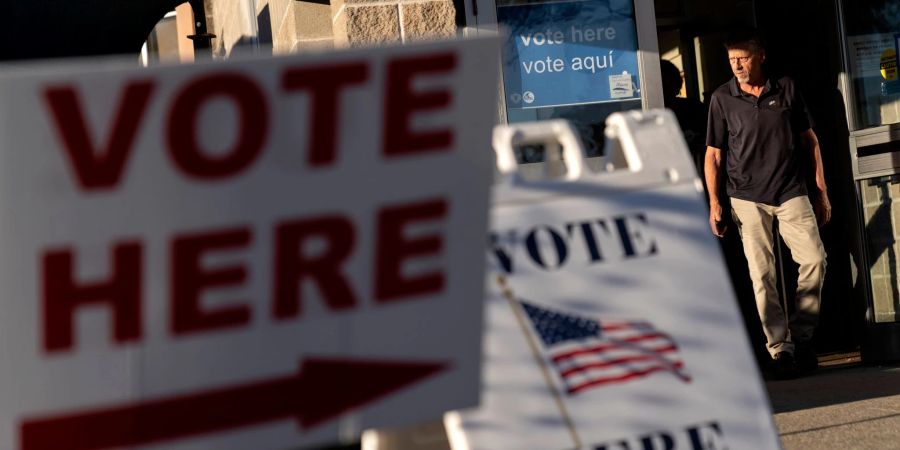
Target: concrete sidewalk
844,405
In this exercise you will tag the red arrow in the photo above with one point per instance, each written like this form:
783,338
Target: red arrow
322,390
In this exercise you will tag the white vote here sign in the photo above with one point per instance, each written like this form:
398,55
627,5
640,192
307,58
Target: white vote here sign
237,255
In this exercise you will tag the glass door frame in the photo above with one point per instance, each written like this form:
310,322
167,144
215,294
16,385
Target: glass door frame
881,342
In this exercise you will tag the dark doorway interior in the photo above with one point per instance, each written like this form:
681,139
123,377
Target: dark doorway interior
803,41
39,29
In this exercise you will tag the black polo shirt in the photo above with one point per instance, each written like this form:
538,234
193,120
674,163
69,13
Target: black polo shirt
759,137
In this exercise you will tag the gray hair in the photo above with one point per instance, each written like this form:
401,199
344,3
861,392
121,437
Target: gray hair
744,38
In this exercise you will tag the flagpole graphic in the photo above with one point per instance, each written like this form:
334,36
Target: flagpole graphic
535,350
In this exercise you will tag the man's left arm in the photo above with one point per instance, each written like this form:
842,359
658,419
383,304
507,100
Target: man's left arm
820,201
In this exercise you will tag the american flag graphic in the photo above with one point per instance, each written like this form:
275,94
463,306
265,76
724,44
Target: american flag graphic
588,353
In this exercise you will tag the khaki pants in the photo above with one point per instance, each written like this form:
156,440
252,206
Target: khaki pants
798,228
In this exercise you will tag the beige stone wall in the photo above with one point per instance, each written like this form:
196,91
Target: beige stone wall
300,25
232,22
366,22
297,25
428,20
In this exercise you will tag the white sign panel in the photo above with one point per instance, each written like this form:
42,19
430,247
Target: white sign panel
611,321
247,255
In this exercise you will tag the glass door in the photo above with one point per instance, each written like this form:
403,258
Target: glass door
871,89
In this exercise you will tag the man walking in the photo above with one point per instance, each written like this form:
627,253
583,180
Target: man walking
760,127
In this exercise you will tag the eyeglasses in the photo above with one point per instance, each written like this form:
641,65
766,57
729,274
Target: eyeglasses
739,59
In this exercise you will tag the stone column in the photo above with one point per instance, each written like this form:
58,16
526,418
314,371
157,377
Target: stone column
300,25
284,26
231,21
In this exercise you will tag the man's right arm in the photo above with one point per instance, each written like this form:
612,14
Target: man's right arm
712,167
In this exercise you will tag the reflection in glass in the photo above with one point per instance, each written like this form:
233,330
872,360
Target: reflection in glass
588,119
881,207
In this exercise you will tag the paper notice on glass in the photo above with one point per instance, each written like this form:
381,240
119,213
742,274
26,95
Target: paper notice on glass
620,86
865,52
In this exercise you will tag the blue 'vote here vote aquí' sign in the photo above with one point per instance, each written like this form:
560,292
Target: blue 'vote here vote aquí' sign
569,53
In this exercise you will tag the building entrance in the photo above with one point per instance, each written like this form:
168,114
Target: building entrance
842,56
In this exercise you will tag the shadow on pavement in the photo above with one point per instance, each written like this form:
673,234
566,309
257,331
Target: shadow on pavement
834,384
837,425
